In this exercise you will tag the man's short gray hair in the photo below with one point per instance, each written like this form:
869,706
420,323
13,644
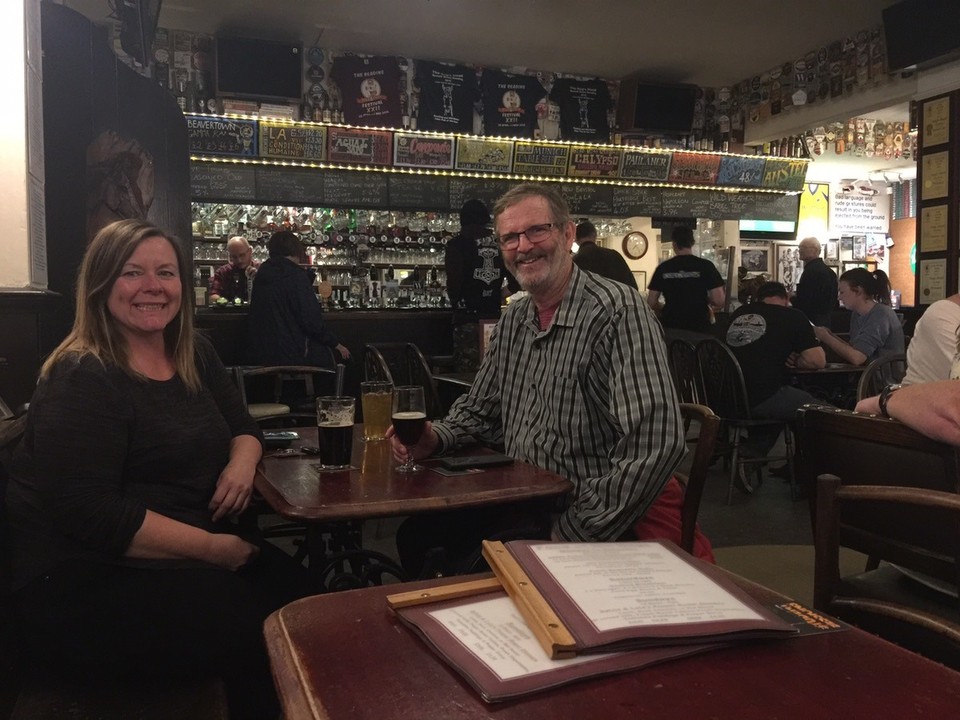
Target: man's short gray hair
559,209
812,243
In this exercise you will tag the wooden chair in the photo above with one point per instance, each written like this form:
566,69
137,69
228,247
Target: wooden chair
869,450
709,425
402,364
682,360
274,381
896,601
725,392
880,373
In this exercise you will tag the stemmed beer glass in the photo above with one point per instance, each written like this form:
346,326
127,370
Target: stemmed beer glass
409,419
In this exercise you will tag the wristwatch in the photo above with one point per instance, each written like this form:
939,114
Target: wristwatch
885,397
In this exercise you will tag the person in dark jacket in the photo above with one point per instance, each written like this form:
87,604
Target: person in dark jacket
817,289
602,261
286,324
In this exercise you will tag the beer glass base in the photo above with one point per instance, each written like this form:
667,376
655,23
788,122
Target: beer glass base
409,468
331,468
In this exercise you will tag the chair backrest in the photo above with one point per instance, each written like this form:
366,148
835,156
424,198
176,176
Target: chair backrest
272,384
702,454
925,539
881,372
721,381
682,360
402,364
870,450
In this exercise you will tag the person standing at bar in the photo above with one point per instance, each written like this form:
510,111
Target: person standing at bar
286,326
232,281
690,285
601,261
576,382
817,289
475,276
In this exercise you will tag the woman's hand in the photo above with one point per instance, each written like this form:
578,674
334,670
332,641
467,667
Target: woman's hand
425,448
231,552
235,484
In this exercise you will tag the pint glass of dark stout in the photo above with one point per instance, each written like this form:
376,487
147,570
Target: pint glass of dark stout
335,431
409,418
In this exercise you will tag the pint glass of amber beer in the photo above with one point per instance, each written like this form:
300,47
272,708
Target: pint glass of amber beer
376,397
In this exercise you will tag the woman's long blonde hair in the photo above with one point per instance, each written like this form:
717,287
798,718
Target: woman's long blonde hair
95,330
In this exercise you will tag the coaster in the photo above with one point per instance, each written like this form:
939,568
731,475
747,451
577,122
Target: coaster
326,471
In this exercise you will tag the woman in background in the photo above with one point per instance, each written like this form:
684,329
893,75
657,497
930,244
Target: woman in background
138,451
875,329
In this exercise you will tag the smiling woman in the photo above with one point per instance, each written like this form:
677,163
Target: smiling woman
138,451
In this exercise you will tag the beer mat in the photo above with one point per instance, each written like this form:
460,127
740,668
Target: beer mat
807,621
447,472
326,471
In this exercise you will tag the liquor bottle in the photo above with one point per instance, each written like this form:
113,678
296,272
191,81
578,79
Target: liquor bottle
199,287
327,116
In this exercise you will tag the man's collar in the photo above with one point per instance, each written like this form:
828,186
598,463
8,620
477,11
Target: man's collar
566,310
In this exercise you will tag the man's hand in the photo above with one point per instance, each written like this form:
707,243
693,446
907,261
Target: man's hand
344,353
822,332
792,360
425,448
869,405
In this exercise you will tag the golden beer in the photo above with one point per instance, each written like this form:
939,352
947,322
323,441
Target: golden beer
375,399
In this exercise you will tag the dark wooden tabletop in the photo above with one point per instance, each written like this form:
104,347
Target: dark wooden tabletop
459,378
343,655
372,489
831,368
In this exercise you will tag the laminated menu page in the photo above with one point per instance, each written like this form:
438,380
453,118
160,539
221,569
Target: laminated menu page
594,597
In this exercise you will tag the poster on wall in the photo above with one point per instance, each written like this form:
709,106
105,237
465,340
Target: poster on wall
933,280
789,266
854,213
814,217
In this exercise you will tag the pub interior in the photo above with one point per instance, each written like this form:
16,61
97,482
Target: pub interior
359,182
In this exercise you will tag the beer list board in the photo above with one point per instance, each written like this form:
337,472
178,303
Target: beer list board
377,190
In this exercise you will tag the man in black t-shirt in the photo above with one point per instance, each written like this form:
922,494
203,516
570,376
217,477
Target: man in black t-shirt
602,261
768,336
690,286
817,290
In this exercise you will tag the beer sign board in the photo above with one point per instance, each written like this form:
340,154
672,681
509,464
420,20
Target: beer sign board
543,160
222,136
485,155
694,168
424,152
362,147
594,162
294,142
653,166
741,171
784,174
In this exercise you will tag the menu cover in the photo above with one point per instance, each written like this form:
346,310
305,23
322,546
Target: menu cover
486,640
615,596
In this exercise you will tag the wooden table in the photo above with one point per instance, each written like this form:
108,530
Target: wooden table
335,502
836,383
343,656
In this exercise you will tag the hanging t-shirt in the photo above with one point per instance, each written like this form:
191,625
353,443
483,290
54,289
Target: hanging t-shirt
370,88
583,109
447,95
510,103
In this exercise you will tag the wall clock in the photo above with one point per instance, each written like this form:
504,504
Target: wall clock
635,245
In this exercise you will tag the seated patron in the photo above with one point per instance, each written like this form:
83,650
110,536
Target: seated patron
138,452
934,353
768,336
575,381
875,329
285,325
931,408
231,281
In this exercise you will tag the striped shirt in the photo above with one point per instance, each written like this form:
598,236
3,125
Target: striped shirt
590,399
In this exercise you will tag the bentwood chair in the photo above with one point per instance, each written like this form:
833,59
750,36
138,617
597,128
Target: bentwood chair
402,364
725,392
880,373
682,360
912,598
694,481
283,394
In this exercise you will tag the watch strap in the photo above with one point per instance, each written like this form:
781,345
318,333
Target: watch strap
885,397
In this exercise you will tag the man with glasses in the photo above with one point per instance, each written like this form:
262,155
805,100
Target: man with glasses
575,381
231,281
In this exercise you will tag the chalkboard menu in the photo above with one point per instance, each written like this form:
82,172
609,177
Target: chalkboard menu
776,207
645,166
741,171
222,136
420,192
346,188
684,203
289,186
636,201
424,152
222,182
541,160
588,199
694,168
296,142
463,189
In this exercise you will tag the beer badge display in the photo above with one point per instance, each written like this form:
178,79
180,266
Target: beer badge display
370,88
584,105
447,95
510,103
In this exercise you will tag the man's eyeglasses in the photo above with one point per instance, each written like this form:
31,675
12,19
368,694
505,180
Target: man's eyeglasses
535,234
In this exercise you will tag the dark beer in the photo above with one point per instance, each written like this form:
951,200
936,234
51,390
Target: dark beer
409,426
336,442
